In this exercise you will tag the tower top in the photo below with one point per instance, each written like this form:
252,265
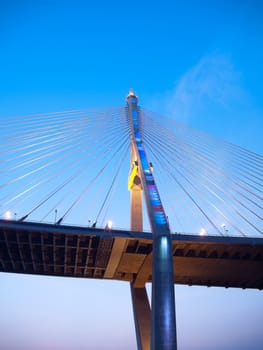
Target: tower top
132,97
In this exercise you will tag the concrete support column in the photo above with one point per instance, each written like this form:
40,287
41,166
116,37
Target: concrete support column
136,208
142,317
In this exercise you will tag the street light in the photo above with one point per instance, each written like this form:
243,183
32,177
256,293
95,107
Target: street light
202,232
8,215
108,226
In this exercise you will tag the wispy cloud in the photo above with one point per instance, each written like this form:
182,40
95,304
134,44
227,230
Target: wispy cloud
212,83
212,97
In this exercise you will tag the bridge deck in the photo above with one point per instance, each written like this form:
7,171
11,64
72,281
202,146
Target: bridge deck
44,249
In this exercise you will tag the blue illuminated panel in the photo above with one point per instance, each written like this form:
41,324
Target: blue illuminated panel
157,211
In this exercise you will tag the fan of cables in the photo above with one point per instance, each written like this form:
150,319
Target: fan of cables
207,186
64,167
72,167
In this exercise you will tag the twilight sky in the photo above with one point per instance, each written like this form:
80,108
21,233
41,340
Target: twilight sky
197,61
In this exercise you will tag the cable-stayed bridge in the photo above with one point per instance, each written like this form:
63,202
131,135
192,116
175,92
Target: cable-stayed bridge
67,168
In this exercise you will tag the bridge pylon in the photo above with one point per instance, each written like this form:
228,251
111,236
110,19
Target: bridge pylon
140,302
156,329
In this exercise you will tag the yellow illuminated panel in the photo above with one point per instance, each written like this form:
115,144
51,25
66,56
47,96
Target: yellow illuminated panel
132,176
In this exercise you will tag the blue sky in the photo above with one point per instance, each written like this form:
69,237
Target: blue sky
197,61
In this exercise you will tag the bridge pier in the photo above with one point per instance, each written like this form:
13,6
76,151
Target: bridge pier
142,317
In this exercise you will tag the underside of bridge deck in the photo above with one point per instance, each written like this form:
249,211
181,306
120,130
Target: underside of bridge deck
43,249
